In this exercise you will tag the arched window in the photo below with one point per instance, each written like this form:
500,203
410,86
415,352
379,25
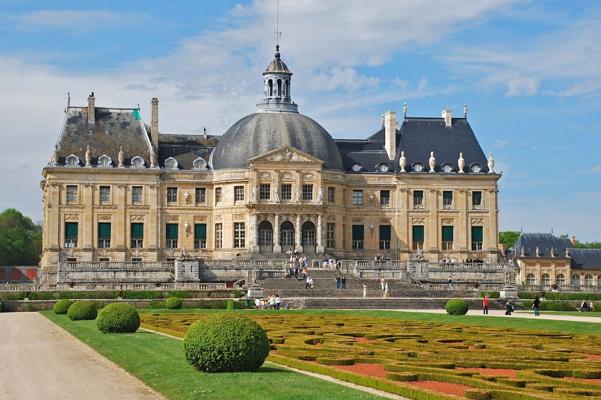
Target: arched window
287,88
418,167
575,280
105,161
308,234
545,280
265,234
476,168
170,163
447,168
279,93
270,85
560,280
287,234
137,162
588,280
199,163
530,279
382,167
72,161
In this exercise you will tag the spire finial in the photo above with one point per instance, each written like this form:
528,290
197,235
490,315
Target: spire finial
278,34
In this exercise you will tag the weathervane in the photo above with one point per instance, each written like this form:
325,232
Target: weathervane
277,32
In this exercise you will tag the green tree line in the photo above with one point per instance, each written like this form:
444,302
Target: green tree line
508,238
20,239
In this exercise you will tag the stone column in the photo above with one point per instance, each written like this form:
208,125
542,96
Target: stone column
319,248
297,235
277,247
254,248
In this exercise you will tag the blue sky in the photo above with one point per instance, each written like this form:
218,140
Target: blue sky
529,71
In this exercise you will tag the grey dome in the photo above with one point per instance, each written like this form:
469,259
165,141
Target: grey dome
259,133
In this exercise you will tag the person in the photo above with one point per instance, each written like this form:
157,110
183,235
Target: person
257,303
364,290
337,281
271,302
536,306
450,282
343,281
485,303
508,308
386,290
307,282
278,301
310,282
382,283
585,306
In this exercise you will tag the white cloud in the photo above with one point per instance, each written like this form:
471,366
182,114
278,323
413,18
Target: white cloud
74,20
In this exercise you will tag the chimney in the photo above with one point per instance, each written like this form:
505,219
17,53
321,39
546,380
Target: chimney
91,109
390,125
573,240
154,124
447,115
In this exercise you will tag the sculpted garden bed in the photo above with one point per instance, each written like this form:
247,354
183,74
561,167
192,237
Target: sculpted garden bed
426,360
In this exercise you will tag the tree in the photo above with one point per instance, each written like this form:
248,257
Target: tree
20,239
508,238
588,245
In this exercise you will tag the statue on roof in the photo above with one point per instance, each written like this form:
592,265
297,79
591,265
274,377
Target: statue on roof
491,164
88,157
461,163
121,157
432,162
403,161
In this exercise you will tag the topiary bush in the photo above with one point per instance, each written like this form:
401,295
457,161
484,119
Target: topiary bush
226,342
118,318
61,306
81,310
457,307
173,303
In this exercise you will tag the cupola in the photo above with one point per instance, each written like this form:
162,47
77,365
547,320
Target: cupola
276,80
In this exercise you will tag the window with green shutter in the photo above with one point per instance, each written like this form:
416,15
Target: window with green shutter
476,199
200,236
447,237
171,234
477,238
447,198
71,234
385,237
418,237
358,231
104,234
137,235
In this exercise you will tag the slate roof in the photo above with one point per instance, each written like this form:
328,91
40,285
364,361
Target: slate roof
185,148
277,65
586,258
544,241
113,128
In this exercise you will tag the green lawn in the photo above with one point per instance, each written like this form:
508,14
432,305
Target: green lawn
160,363
473,320
571,313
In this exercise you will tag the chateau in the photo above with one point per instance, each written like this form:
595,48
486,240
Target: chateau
118,190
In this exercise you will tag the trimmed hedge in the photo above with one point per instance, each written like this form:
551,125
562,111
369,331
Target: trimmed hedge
553,305
561,296
113,294
118,318
457,307
61,306
226,342
82,310
173,303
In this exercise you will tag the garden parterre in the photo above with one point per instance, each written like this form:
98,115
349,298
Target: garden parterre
426,360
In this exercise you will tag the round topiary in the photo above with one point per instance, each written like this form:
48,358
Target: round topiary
226,342
173,303
61,306
118,318
83,309
457,307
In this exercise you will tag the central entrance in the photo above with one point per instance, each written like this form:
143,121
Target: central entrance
265,237
287,236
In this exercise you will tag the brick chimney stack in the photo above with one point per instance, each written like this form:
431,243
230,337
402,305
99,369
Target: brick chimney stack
154,124
447,115
91,109
390,125
573,240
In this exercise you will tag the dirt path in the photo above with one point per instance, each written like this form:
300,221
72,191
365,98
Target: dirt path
39,360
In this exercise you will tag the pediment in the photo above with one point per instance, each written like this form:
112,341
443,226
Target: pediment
286,155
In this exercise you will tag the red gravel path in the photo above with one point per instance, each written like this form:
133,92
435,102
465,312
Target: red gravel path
441,387
363,340
510,373
593,356
375,370
583,380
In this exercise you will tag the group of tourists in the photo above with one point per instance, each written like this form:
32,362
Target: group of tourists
452,260
340,281
586,306
328,262
272,302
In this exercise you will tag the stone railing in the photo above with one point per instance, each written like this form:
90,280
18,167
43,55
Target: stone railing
116,265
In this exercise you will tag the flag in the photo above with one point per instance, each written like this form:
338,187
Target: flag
136,114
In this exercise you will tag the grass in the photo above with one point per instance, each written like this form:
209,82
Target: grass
159,362
469,320
570,313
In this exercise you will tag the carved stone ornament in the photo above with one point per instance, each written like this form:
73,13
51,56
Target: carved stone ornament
71,217
448,221
53,160
331,218
403,161
432,162
357,219
418,220
491,164
287,155
461,163
153,160
276,195
287,176
187,229
238,216
104,217
88,157
186,197
477,220
308,176
121,158
265,175
217,217
173,218
200,218
137,218
320,196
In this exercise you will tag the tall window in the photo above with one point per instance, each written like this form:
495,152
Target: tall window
218,236
385,235
418,199
136,195
331,195
200,236
286,192
530,279
264,191
217,195
384,197
418,237
476,199
357,197
331,235
357,237
447,199
238,193
201,195
172,235
137,235
477,238
447,237
71,234
171,195
307,192
104,235
71,194
239,235
105,194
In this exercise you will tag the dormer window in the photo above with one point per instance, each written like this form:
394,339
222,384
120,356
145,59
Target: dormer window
72,161
105,161
199,163
418,167
356,167
170,163
476,168
447,168
383,168
137,162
